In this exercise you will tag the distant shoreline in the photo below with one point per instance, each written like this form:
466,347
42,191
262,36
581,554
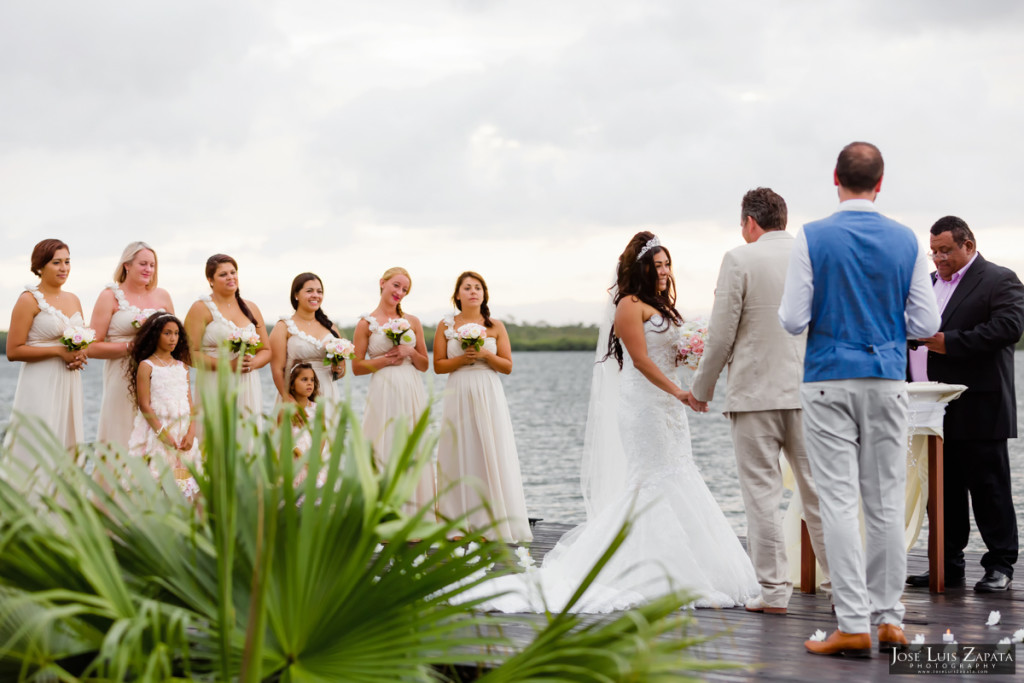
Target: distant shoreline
523,337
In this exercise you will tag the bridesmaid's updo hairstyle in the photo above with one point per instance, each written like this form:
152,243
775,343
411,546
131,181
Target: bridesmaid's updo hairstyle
636,276
43,252
127,256
484,310
211,269
390,273
321,317
145,344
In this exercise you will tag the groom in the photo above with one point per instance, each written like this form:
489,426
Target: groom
763,395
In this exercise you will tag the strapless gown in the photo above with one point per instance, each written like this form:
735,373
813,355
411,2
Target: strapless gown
680,538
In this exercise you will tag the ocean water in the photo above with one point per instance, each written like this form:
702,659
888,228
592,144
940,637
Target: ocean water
548,394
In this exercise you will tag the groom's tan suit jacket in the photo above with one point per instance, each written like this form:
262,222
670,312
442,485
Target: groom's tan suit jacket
765,362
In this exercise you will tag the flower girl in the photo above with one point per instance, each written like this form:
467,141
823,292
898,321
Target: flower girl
304,388
159,384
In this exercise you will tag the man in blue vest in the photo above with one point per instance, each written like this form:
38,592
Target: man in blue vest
858,282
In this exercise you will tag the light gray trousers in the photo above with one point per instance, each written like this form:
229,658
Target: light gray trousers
856,435
758,436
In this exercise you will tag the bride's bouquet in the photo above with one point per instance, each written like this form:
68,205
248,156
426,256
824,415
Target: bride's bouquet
471,334
245,341
338,351
77,337
397,330
693,336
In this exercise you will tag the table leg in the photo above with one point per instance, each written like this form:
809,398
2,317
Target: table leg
936,526
808,569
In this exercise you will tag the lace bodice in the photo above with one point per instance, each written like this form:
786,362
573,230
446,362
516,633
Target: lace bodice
49,324
219,329
655,432
455,346
380,343
121,327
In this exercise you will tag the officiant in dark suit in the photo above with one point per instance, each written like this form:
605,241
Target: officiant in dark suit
982,307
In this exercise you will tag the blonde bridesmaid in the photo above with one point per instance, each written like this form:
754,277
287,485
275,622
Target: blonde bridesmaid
49,384
120,310
396,389
212,321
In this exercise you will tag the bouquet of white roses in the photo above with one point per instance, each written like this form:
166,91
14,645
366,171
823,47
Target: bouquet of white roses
244,341
397,330
338,350
691,343
471,334
76,338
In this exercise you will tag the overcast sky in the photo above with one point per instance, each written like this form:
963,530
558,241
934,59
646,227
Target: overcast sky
527,140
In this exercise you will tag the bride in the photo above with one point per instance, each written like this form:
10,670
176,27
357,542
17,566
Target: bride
638,465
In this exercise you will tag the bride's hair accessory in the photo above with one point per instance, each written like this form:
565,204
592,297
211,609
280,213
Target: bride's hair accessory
651,244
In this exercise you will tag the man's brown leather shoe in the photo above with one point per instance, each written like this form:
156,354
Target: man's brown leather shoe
890,636
839,643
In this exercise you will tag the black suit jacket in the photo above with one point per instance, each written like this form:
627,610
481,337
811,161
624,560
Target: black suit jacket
982,322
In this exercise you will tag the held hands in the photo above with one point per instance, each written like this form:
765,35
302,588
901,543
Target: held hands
243,364
74,360
695,405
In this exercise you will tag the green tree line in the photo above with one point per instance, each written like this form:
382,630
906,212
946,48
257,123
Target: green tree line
523,336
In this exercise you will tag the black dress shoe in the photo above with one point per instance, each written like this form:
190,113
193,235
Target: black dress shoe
994,581
922,580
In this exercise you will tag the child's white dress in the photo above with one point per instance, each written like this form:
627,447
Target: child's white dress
169,399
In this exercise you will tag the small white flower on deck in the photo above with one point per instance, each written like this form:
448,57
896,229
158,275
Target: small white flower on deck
525,561
819,635
919,639
993,618
1003,641
1018,636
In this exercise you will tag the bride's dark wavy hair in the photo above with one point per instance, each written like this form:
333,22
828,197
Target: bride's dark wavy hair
637,277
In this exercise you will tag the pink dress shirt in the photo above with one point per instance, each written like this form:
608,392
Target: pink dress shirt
943,293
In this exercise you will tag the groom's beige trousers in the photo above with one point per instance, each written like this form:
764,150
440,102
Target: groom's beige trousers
856,433
757,437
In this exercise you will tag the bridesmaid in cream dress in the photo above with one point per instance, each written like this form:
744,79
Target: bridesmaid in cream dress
120,310
396,388
300,337
49,384
477,462
212,320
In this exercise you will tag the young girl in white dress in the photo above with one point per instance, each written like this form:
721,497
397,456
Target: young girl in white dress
213,319
477,462
304,388
396,388
49,384
300,338
120,310
164,431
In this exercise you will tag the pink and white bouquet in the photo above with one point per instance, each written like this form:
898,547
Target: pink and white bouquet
76,337
139,318
471,334
338,351
693,336
244,341
398,331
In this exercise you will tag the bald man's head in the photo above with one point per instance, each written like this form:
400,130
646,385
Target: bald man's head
859,167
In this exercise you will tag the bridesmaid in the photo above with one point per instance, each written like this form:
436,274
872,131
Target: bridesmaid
300,337
212,320
396,388
120,310
49,386
476,454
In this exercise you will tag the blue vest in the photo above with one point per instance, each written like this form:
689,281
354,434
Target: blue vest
863,263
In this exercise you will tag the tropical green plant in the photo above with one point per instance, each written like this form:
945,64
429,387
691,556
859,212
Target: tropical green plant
112,575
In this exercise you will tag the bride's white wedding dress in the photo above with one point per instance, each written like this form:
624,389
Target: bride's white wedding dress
679,538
